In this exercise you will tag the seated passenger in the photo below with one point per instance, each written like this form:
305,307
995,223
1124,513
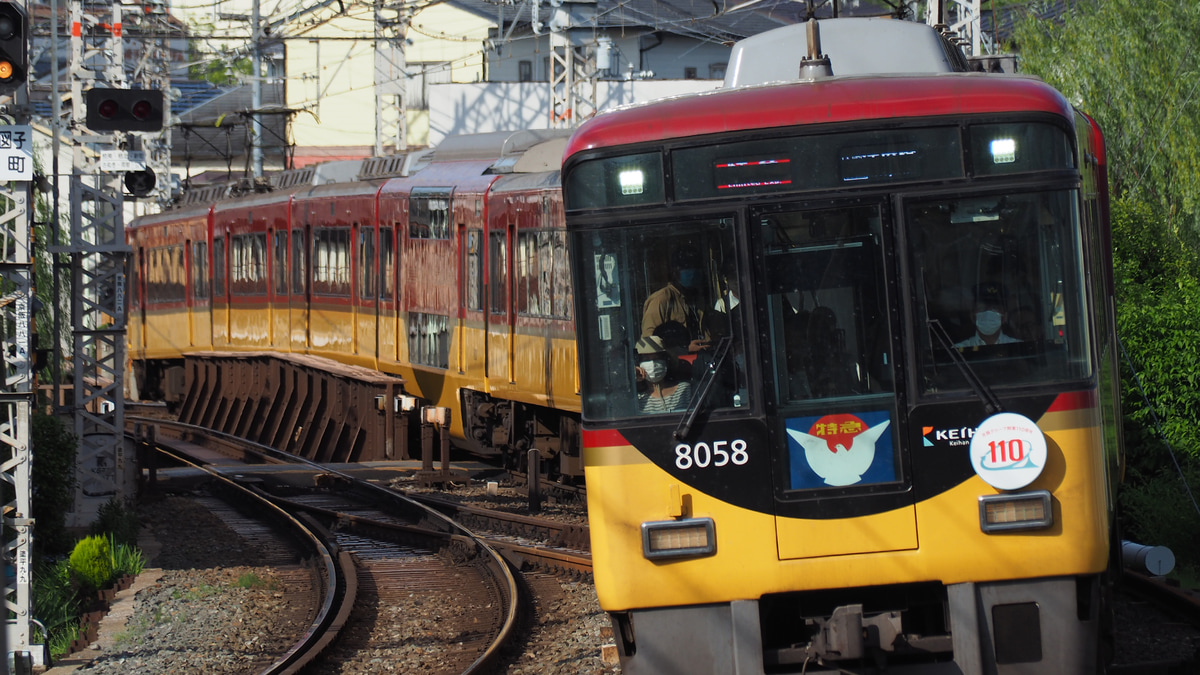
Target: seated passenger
989,318
662,392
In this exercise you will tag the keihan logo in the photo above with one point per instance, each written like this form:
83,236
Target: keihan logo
839,448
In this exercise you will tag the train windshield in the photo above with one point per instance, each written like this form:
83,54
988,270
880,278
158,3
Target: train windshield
997,280
664,331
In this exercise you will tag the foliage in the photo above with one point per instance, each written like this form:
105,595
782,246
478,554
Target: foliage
52,477
119,522
221,65
1134,66
91,562
126,559
251,580
56,605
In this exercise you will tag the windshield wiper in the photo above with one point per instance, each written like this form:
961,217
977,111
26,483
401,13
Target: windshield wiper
991,404
706,385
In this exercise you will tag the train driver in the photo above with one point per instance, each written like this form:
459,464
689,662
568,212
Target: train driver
679,302
989,318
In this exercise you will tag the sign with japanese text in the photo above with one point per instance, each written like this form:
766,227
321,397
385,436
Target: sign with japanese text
16,153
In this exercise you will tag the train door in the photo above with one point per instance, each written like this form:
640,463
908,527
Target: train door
277,291
472,314
839,426
298,302
220,304
500,317
199,303
138,300
366,304
388,268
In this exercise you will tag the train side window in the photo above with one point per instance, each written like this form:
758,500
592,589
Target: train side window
219,267
429,339
366,263
473,290
543,286
429,213
331,261
279,262
498,272
199,254
299,262
249,264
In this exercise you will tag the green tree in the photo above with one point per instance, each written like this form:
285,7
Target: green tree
1134,66
52,475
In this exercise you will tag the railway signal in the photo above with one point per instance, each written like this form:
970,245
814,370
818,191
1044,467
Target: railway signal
14,47
124,109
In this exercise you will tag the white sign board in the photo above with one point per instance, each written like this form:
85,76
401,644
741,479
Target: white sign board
16,153
122,160
1008,451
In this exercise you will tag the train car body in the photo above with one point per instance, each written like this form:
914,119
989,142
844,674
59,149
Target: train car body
886,439
452,276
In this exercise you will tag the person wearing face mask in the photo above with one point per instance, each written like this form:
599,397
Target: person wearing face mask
677,301
989,319
660,392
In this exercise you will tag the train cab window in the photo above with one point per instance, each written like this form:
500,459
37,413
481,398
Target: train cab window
826,302
666,329
199,254
998,282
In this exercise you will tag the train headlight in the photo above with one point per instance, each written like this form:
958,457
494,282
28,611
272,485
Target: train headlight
1023,511
679,538
633,181
1004,151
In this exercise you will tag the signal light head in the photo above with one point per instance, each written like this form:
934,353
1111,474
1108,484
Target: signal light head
124,109
14,47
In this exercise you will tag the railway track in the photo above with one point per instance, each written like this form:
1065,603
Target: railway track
403,552
1155,624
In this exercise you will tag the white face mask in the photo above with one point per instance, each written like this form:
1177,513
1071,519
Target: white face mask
988,322
656,370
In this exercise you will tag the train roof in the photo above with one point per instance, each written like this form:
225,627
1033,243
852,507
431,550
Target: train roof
821,101
853,47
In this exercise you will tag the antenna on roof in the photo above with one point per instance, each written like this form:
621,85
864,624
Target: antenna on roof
815,65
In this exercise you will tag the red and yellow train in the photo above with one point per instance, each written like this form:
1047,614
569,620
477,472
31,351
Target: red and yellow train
452,275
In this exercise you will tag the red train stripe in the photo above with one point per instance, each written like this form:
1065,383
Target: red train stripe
603,438
1074,400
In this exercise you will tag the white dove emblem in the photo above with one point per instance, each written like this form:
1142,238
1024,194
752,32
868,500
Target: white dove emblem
839,465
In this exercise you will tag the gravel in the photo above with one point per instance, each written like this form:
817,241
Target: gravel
218,609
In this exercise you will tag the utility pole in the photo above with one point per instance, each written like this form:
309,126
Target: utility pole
572,63
391,123
99,260
16,309
961,17
256,97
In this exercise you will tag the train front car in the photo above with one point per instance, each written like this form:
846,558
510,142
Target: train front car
848,384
